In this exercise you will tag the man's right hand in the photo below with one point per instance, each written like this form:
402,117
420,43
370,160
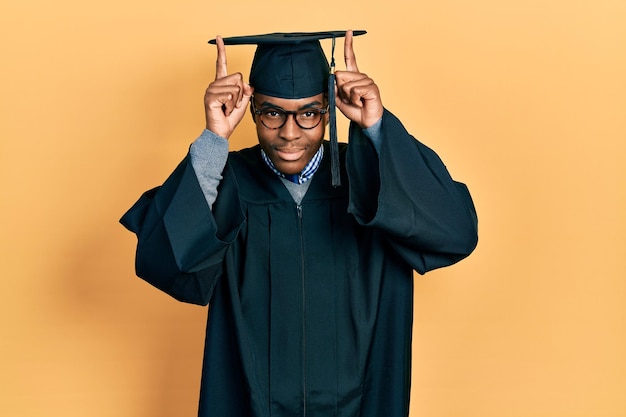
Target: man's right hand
227,98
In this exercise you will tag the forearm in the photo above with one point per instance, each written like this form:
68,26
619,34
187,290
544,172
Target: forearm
180,245
405,190
208,156
375,134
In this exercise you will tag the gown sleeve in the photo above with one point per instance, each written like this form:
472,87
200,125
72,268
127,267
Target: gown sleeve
180,242
427,217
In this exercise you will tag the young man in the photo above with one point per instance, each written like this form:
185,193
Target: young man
309,284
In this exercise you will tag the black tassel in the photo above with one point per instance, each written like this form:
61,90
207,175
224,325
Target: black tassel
332,123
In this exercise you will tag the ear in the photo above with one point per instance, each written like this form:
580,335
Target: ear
252,110
327,114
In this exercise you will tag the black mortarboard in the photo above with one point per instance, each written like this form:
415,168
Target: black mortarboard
293,65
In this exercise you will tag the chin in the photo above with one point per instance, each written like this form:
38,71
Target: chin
289,169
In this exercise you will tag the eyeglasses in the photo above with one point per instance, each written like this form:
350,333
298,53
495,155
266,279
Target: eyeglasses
274,118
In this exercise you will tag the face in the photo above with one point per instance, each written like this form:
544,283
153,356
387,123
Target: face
290,147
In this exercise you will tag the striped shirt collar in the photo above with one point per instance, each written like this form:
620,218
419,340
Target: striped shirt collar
307,172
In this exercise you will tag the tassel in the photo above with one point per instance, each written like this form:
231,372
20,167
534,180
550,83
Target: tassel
334,146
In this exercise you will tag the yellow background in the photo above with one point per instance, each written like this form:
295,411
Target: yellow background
524,100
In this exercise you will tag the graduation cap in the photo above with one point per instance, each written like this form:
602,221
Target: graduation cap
292,66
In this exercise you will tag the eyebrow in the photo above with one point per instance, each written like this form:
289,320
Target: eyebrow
313,104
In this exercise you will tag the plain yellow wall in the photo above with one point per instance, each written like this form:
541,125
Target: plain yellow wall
525,101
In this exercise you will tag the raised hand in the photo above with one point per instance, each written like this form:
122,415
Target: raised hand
358,97
226,99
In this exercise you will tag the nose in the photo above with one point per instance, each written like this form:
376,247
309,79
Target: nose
290,130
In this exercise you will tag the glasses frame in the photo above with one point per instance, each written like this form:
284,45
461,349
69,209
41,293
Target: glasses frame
287,113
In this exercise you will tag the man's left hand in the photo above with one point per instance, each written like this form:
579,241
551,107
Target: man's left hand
358,97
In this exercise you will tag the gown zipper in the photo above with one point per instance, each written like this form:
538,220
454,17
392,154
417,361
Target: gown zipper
302,274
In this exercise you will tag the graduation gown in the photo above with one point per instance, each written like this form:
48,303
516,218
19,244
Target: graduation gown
311,304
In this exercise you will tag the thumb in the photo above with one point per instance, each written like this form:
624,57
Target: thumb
348,110
241,108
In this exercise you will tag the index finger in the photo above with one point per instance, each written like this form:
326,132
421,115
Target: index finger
221,69
348,53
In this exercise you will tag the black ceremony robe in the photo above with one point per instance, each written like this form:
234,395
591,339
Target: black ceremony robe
311,304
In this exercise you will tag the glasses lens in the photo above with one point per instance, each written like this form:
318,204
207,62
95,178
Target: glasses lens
273,118
308,119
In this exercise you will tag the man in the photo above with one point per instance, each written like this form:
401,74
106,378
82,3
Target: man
309,284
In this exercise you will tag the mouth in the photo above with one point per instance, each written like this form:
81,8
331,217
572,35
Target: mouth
289,153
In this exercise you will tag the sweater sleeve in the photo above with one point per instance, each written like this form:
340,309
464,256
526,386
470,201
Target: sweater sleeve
375,134
208,156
